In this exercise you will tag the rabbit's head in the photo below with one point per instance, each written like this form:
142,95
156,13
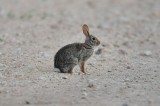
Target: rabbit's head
90,39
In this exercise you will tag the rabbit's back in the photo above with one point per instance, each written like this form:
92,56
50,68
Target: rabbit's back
71,54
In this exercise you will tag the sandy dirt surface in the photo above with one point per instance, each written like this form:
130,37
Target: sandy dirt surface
124,71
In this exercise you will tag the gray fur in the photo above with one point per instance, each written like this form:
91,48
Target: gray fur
73,54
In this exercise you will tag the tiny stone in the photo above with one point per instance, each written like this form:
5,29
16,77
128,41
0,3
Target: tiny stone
99,51
65,77
125,43
109,71
99,26
90,85
116,45
84,89
46,46
128,86
125,104
127,79
84,94
105,85
128,67
122,52
27,102
104,45
1,76
83,97
146,53
2,67
154,43
53,26
42,78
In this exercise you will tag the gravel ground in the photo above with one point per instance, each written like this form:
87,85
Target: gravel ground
124,71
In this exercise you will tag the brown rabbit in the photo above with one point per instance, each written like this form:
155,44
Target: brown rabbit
77,53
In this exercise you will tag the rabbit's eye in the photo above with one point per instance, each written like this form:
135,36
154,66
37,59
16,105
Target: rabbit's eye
93,38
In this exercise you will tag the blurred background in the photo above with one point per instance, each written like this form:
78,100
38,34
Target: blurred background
124,70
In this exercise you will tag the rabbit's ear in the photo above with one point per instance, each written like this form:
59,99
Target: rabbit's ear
85,30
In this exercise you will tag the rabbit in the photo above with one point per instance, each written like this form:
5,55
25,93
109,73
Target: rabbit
76,53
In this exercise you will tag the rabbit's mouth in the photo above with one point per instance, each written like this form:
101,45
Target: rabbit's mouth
97,43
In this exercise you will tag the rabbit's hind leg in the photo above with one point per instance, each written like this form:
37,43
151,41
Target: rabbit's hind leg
70,71
68,68
64,70
71,66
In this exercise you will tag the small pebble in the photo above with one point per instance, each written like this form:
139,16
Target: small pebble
2,67
146,53
125,104
125,43
91,85
45,54
54,26
129,86
84,89
83,97
27,102
42,78
127,79
128,67
1,76
65,77
104,45
84,94
99,51
123,52
116,45
105,85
